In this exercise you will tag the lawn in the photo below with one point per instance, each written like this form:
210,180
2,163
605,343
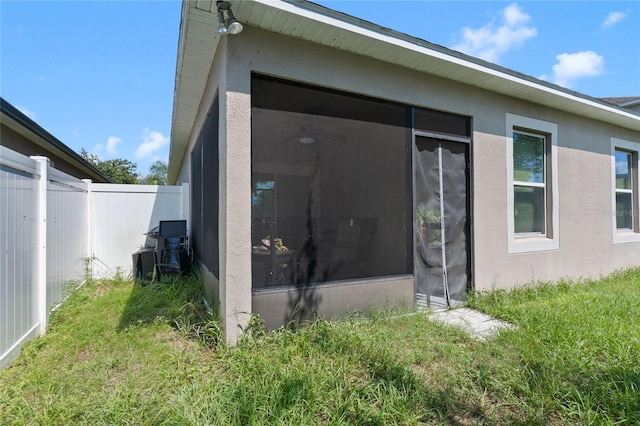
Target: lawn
119,353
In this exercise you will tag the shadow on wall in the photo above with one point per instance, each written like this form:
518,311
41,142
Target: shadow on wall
304,301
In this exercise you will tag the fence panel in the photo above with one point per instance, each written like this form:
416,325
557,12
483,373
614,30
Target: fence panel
67,230
19,319
139,208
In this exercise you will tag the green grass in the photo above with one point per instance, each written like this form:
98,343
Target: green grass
579,345
123,354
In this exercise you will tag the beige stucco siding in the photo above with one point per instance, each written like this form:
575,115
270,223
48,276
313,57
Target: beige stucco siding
331,300
585,207
586,246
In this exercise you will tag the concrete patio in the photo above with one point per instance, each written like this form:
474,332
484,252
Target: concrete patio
477,324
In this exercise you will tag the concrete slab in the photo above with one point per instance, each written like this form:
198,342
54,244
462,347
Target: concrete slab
479,325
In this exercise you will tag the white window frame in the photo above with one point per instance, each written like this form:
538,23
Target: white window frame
526,184
622,236
550,239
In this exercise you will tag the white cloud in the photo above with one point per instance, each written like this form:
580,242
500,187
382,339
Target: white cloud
622,167
112,145
572,66
491,42
153,141
26,112
612,19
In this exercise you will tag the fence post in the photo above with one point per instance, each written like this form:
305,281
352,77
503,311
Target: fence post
40,272
89,219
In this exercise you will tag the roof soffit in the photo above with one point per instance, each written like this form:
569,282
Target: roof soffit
197,44
324,26
317,24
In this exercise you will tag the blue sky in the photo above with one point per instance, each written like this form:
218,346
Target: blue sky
100,75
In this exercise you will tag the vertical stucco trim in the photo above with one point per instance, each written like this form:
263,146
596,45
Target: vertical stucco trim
235,199
631,235
532,243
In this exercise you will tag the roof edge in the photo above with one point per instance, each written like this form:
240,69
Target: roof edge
16,115
447,54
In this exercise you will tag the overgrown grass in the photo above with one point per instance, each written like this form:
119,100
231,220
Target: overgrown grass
120,353
578,345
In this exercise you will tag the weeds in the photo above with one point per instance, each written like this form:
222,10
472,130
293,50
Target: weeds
122,353
199,325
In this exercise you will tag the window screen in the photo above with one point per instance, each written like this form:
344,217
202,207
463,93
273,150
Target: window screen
331,185
210,195
442,122
205,193
196,198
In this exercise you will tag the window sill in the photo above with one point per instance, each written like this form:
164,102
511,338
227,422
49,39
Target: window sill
629,236
528,244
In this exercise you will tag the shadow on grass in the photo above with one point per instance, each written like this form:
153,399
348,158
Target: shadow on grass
387,379
164,300
592,395
443,405
619,389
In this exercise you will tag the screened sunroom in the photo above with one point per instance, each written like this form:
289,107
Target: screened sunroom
337,166
351,188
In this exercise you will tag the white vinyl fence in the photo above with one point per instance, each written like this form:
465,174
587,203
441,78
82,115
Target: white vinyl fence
122,214
19,317
56,231
67,230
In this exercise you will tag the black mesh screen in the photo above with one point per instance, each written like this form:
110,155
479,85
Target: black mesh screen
331,186
205,193
442,209
196,198
442,122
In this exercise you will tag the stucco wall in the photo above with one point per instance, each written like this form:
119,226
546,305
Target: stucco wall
584,173
584,162
280,306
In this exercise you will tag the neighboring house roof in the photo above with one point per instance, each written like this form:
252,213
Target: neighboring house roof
300,19
22,134
624,102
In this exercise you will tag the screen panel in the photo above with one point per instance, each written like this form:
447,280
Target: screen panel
205,165
331,176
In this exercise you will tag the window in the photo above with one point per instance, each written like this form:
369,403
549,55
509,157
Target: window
624,157
624,190
529,183
532,184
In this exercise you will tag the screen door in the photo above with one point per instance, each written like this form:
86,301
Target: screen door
441,254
